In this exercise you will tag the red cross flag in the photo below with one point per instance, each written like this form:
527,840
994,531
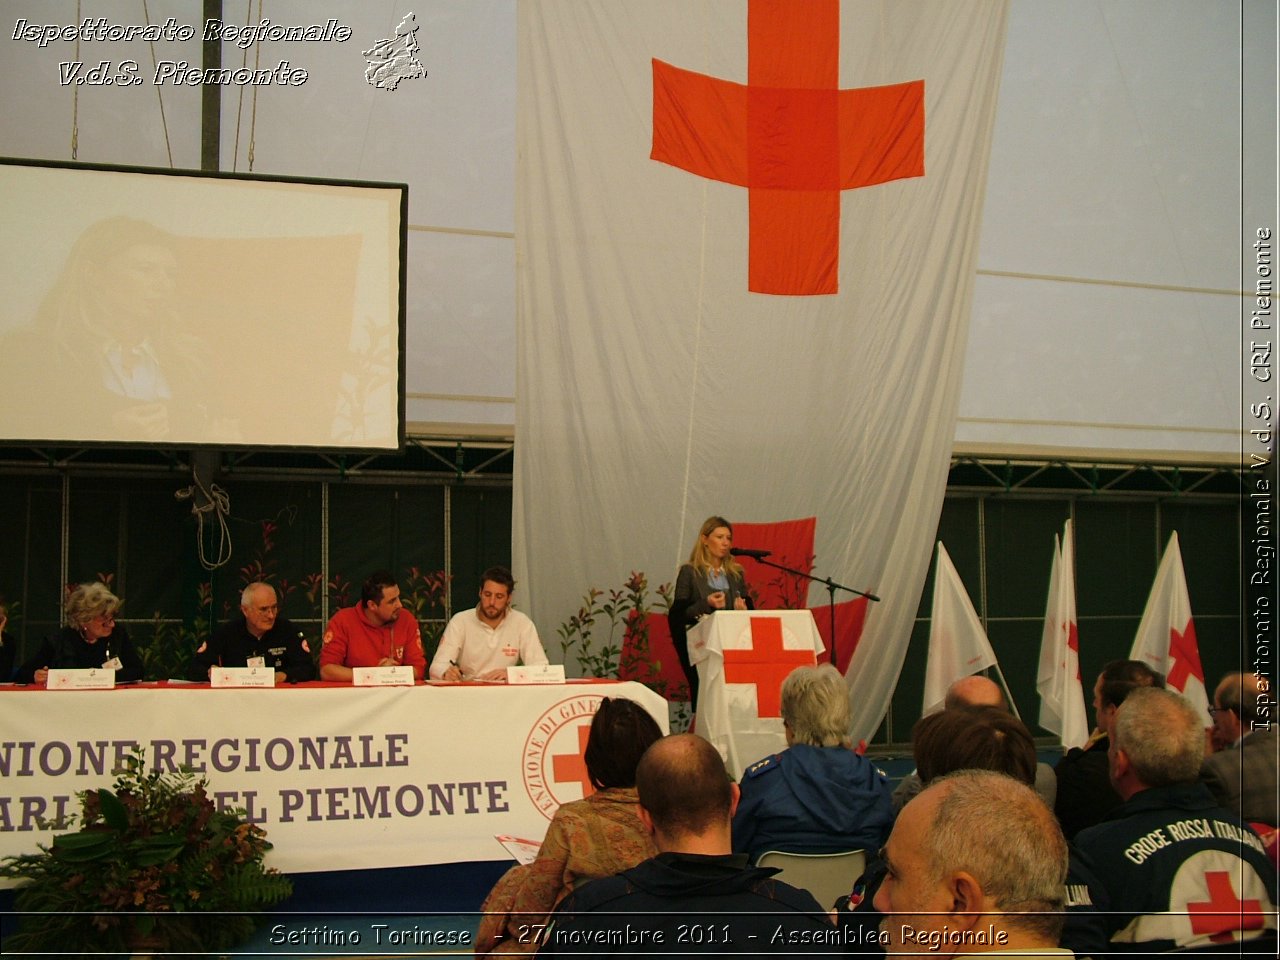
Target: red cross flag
1058,679
1166,638
746,249
791,136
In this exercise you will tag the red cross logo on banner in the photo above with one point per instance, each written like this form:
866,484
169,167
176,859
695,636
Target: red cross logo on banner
792,137
571,767
1224,912
766,664
1184,654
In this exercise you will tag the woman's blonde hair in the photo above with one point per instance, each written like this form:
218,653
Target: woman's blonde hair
700,558
89,600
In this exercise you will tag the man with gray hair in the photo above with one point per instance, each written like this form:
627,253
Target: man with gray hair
1244,775
258,637
818,795
976,864
1181,872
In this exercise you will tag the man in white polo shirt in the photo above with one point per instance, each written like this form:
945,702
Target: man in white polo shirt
480,644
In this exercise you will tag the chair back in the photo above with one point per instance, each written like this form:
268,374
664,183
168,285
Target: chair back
828,876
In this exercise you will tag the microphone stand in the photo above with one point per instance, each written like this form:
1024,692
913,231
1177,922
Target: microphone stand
831,586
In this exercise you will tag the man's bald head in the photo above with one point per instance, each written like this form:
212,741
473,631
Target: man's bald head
683,785
974,691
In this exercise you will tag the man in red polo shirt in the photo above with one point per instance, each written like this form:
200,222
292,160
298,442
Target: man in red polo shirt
377,633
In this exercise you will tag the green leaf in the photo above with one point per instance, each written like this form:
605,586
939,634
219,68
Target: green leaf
113,811
157,849
84,846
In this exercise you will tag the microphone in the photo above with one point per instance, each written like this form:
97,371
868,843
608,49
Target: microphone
744,552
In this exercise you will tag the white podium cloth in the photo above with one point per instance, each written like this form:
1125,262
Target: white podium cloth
742,658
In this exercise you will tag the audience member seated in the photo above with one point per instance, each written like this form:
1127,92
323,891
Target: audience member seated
7,646
1242,774
696,895
1085,794
481,643
595,837
1181,872
976,865
976,691
817,796
377,633
984,738
91,639
258,637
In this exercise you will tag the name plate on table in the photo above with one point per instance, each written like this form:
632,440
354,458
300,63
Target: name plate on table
542,673
401,676
242,677
93,678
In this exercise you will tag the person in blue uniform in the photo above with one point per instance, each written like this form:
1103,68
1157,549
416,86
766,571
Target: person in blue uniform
818,795
258,637
91,640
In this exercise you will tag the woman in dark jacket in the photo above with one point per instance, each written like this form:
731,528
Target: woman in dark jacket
711,580
91,639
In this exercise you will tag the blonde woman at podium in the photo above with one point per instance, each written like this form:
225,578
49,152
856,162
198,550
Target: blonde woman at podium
712,580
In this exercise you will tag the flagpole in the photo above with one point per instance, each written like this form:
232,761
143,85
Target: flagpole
1008,694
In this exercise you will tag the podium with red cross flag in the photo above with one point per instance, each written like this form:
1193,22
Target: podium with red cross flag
742,658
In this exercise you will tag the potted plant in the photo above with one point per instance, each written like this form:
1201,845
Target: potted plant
155,865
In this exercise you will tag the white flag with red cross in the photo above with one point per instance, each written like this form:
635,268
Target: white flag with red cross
1166,638
1062,708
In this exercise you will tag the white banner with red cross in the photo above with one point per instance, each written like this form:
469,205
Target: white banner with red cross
746,244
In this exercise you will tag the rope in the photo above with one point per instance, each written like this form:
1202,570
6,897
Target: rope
75,95
218,503
253,110
244,61
164,124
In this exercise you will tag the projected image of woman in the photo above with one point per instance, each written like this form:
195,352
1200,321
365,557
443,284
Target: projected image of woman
110,322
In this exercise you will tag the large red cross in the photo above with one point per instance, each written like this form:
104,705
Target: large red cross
1223,912
572,767
1184,655
766,664
792,137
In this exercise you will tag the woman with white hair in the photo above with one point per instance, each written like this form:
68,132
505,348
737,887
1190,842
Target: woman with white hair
818,795
91,639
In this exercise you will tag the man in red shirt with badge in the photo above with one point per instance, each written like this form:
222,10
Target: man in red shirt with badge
377,633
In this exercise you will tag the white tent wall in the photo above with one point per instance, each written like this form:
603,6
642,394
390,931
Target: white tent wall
1107,303
1108,294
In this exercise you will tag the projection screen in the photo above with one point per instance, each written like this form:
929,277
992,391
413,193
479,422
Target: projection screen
178,308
